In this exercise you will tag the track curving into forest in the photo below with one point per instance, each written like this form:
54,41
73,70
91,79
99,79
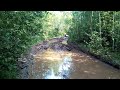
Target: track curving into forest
54,59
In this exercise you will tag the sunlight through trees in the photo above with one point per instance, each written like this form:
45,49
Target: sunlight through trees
96,31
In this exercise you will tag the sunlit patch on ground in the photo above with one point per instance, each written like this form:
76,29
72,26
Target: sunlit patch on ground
59,63
52,55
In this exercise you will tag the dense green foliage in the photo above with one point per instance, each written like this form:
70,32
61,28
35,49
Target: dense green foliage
98,31
19,30
56,24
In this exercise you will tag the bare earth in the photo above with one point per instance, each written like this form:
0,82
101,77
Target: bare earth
54,59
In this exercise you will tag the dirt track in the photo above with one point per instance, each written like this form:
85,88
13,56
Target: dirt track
54,60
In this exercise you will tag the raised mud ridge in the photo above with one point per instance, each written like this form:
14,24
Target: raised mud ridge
57,59
26,61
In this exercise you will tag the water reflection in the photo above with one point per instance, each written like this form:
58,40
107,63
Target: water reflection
52,64
63,70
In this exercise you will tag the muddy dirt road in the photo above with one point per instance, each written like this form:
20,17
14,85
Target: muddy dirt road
58,61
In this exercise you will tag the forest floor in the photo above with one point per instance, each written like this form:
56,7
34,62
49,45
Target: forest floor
54,59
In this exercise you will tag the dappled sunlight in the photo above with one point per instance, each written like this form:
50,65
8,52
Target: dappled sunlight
58,64
52,55
52,44
52,64
89,72
58,22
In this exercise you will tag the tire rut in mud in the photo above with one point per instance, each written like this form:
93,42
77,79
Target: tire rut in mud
26,62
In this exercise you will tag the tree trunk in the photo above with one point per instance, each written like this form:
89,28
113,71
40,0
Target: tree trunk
113,31
100,23
91,20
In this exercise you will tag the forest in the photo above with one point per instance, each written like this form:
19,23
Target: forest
98,32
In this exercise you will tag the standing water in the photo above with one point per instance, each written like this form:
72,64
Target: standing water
59,63
70,65
52,65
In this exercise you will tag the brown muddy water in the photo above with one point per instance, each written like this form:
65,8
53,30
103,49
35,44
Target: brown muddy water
63,64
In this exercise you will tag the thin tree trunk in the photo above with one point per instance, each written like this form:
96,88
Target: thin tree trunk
113,31
91,20
100,24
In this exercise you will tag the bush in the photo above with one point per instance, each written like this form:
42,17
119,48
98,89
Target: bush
18,31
